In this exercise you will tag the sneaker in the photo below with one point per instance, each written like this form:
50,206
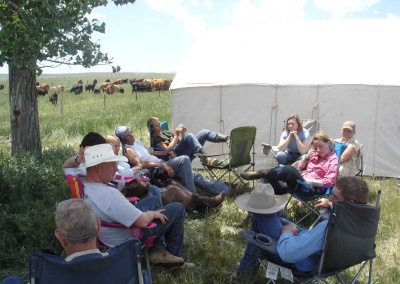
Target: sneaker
164,257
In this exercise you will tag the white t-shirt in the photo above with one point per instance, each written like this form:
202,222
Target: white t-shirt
111,206
142,152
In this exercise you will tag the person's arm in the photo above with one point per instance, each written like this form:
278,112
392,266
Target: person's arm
302,146
74,161
173,141
304,161
348,153
293,248
284,142
147,217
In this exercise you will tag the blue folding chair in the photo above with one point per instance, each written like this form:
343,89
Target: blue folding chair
121,265
302,190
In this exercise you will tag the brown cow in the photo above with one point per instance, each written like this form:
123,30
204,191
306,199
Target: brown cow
80,82
160,84
104,86
111,89
61,88
118,82
45,87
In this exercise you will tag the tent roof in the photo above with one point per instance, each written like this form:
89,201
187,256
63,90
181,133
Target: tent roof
361,51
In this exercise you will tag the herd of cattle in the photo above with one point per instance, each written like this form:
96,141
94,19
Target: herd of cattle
108,87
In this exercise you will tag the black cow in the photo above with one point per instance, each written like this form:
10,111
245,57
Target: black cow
54,98
121,90
1,86
90,87
141,87
77,89
96,91
124,81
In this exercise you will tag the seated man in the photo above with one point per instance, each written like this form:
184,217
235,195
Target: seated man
70,166
295,245
182,143
138,154
77,228
111,206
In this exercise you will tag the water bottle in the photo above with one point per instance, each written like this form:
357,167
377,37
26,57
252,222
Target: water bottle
121,183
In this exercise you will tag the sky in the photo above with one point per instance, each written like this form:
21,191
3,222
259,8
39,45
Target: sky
157,35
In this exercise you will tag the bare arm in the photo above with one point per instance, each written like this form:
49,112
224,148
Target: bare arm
284,143
148,216
74,161
347,154
302,147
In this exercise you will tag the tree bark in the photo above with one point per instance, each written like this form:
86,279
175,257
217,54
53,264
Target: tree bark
24,117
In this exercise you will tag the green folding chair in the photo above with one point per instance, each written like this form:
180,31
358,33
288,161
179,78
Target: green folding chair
240,158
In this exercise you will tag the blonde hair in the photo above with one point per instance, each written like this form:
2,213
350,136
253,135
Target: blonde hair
323,136
112,139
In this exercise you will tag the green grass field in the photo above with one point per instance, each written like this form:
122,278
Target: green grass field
30,186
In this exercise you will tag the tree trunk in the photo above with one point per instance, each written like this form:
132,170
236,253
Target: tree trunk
24,117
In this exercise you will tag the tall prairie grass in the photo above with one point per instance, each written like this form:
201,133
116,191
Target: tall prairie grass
30,186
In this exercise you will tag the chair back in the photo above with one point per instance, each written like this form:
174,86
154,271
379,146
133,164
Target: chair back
75,185
121,265
350,236
360,161
311,125
242,141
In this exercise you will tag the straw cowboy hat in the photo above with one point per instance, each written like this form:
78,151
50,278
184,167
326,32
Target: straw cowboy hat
101,153
261,200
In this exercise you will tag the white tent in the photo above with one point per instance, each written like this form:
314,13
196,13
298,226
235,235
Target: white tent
331,71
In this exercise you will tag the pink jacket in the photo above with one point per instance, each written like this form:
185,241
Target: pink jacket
325,171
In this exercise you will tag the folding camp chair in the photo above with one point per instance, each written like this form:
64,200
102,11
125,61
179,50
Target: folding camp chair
241,155
349,241
312,127
121,265
360,162
300,193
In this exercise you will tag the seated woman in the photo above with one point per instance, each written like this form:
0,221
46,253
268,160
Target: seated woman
182,143
294,141
319,165
348,159
174,192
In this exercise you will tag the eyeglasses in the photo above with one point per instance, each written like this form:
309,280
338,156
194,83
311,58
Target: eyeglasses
76,239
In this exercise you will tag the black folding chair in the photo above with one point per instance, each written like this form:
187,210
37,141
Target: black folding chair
349,241
121,265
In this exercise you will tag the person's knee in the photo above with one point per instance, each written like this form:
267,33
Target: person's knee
281,158
174,209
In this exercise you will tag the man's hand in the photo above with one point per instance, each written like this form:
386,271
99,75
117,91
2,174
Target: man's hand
159,216
292,228
322,203
169,170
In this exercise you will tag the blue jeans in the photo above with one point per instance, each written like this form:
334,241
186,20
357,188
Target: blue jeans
155,191
282,178
214,188
267,224
183,169
191,144
169,235
286,157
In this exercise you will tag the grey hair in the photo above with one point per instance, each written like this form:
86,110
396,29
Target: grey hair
75,220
